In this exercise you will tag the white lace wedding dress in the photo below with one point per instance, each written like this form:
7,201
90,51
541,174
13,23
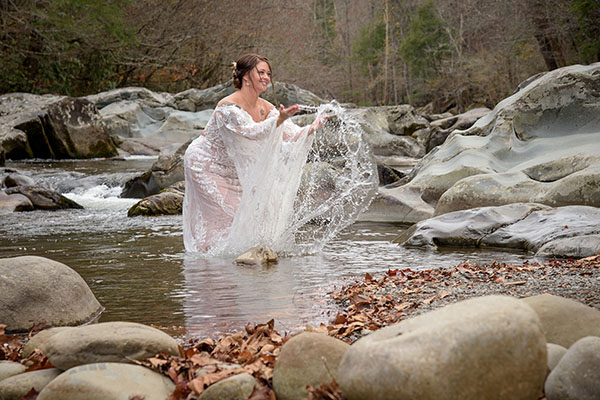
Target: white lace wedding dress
241,179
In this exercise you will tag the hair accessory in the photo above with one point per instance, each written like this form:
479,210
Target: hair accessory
234,65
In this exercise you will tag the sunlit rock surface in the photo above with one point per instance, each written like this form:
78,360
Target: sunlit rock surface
539,145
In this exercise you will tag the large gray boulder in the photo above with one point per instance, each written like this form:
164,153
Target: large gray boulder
36,290
484,348
523,226
236,387
42,198
539,145
577,374
167,202
52,127
17,386
10,368
564,321
106,342
108,381
14,202
306,359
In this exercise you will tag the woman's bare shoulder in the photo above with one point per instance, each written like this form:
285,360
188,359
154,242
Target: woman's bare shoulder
228,101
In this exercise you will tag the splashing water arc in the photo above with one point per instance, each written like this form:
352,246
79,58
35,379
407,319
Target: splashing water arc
337,183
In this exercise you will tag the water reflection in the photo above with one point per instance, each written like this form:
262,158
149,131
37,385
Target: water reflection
138,270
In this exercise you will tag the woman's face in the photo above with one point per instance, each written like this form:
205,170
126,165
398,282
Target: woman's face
260,76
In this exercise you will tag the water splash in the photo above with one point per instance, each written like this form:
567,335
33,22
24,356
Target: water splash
338,182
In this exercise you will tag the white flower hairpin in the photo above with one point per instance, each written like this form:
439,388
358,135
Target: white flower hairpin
234,65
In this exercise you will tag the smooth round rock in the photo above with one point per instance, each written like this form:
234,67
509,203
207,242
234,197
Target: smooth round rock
15,387
35,290
555,353
564,321
10,368
108,381
257,256
306,359
107,342
577,374
484,348
236,387
38,340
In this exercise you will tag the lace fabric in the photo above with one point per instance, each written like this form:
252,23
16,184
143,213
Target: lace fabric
236,194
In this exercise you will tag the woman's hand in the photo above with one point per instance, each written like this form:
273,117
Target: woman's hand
285,113
317,124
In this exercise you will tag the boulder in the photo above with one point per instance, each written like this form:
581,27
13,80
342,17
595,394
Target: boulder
108,381
564,321
48,126
42,198
14,202
166,171
168,202
17,386
577,374
539,145
258,255
489,347
106,342
306,359
16,179
555,353
38,340
36,290
10,368
522,226
236,387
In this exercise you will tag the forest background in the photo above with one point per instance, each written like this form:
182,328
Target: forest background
444,55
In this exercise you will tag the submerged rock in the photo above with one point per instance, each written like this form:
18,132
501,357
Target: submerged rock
257,256
43,198
49,293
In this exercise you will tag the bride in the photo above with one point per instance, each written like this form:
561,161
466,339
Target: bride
242,173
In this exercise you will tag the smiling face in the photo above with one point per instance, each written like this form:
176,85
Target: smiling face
260,77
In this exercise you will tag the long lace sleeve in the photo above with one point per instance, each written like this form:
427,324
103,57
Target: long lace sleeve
233,119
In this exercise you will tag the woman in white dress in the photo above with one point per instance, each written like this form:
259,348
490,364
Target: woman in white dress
234,197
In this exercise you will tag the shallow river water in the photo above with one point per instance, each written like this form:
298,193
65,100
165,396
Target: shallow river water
138,270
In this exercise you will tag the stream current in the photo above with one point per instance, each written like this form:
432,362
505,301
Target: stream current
138,269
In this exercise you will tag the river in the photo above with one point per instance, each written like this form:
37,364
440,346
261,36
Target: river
138,270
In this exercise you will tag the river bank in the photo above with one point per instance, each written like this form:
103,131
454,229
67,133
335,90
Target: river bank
364,304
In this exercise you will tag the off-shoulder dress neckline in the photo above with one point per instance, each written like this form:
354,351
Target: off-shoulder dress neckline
230,103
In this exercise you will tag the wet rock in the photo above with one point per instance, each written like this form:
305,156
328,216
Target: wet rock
44,199
440,354
443,127
10,368
134,146
35,290
522,151
14,202
108,381
168,202
237,387
2,157
564,321
555,353
17,386
306,359
106,342
16,179
258,255
166,171
577,374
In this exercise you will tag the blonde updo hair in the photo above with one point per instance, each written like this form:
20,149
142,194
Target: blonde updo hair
244,65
